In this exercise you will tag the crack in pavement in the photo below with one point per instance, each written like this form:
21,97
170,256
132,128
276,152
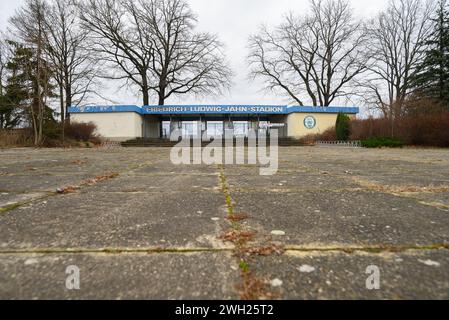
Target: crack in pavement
15,205
112,251
84,184
408,192
369,249
376,249
252,286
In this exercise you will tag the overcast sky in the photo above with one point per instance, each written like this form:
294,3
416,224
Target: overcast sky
233,21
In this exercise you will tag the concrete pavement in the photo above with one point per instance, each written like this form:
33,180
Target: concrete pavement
160,231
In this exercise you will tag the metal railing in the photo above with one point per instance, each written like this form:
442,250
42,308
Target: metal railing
352,144
107,144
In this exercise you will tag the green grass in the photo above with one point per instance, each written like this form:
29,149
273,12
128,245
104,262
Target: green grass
244,266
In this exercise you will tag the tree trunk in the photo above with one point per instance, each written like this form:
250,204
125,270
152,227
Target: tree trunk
146,97
68,99
145,89
392,122
61,102
39,74
161,93
161,103
39,123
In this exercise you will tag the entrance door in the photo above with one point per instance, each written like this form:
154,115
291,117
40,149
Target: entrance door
189,129
166,129
215,128
241,128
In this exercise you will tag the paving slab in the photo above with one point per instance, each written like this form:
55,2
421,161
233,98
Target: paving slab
356,217
168,168
31,183
243,180
339,275
387,167
198,276
109,220
327,201
163,182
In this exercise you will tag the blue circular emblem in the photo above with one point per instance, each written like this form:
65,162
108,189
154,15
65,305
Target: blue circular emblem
309,122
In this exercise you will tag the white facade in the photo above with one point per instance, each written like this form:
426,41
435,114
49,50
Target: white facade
119,126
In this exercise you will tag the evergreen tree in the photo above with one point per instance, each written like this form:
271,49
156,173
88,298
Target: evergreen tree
20,94
342,127
10,116
12,93
431,79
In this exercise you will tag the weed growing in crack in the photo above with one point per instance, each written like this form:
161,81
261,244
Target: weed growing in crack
237,217
251,286
265,251
238,237
244,266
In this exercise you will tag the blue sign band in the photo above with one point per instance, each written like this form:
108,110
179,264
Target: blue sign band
213,109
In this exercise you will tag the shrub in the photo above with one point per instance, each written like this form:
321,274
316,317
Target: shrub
52,136
16,138
342,127
382,142
328,135
81,131
426,129
370,128
52,131
423,129
309,139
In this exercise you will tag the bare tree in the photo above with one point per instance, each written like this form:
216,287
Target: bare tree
314,57
395,49
183,61
117,34
75,67
154,46
29,24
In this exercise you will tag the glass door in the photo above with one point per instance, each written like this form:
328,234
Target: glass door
241,128
189,129
166,129
215,128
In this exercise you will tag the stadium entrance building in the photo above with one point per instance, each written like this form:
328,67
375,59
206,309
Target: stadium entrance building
126,122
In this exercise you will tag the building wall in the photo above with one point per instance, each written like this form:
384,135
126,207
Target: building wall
119,126
296,128
122,126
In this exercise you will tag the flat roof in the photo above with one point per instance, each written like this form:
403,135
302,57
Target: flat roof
213,109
